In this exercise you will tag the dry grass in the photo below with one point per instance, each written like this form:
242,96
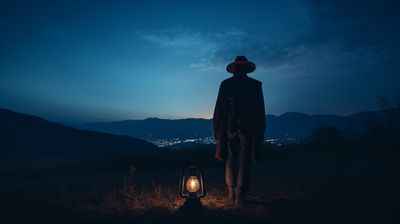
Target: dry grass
283,190
159,199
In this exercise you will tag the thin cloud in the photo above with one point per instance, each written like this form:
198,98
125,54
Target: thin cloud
213,50
342,37
205,46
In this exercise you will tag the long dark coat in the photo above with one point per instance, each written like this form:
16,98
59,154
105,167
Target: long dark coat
248,95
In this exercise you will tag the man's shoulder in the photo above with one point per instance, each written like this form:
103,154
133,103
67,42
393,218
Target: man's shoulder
231,80
255,81
227,81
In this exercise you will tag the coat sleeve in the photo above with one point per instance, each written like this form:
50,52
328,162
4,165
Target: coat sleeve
218,113
261,109
258,139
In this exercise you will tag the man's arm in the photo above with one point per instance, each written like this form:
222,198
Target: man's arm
261,109
218,112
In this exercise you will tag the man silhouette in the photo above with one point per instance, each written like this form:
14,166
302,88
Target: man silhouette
239,125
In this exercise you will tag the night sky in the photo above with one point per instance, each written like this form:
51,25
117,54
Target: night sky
84,61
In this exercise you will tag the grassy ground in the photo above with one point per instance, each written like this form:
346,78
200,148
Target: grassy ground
287,187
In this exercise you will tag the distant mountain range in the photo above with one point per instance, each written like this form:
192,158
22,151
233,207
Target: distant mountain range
26,135
288,125
155,128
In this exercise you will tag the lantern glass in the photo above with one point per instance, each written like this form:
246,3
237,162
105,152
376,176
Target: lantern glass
192,184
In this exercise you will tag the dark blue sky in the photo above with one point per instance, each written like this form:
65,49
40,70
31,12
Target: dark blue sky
82,61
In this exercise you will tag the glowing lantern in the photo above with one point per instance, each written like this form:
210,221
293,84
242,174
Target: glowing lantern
191,184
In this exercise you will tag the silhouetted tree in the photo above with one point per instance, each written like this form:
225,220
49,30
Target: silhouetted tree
392,133
392,109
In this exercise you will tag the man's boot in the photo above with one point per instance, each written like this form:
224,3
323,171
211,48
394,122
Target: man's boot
239,201
231,193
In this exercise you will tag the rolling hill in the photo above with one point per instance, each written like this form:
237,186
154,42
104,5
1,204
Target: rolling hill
26,135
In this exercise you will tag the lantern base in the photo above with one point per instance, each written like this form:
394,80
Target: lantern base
192,204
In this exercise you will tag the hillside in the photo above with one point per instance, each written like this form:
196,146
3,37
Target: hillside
26,135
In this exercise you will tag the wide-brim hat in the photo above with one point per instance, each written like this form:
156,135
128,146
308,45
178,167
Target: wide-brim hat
242,65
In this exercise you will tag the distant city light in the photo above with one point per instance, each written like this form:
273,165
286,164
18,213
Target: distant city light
167,142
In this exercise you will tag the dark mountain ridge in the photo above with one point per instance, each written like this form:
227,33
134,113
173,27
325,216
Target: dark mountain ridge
156,128
292,124
26,135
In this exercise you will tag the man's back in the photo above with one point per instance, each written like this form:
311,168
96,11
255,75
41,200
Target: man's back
242,103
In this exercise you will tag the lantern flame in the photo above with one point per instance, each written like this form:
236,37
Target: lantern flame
192,184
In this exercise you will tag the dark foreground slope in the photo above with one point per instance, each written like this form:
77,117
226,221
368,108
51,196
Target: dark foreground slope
292,184
24,135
